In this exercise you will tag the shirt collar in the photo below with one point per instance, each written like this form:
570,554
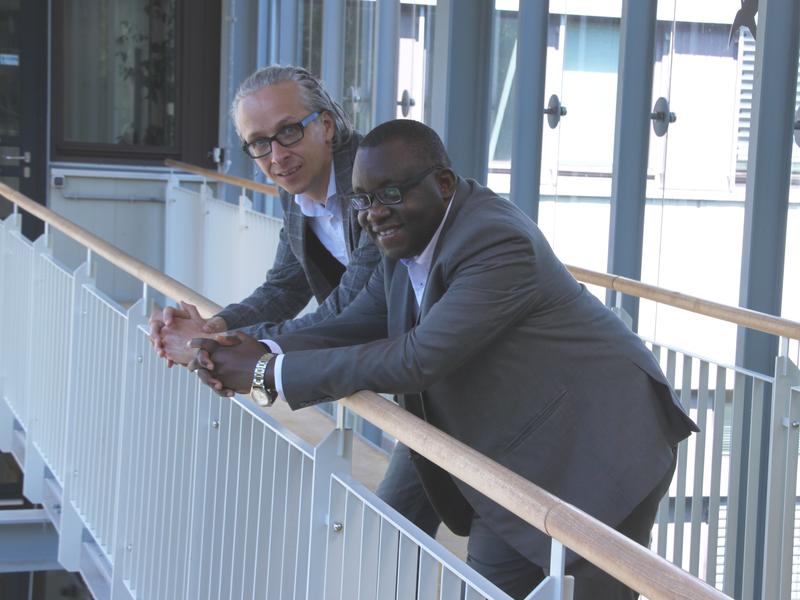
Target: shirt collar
310,208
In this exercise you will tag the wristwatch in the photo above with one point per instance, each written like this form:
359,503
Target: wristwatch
261,394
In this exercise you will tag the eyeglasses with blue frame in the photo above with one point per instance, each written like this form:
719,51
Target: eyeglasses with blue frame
288,135
392,194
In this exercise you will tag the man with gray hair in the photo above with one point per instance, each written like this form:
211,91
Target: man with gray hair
302,140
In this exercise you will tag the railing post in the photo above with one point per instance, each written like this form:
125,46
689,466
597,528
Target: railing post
619,310
6,416
556,586
33,483
184,226
333,455
127,453
781,479
70,537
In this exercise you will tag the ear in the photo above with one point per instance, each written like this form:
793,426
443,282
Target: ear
329,124
446,179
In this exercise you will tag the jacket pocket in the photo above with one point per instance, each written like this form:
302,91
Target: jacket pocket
536,421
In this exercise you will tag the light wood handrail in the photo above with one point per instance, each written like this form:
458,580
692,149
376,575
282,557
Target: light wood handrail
733,314
632,564
627,561
264,188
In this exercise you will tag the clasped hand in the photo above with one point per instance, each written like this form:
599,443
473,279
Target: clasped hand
226,362
172,328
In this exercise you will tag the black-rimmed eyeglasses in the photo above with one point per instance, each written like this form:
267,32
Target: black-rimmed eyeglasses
288,135
392,194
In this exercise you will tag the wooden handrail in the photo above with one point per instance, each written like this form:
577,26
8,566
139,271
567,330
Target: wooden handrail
264,188
733,314
634,565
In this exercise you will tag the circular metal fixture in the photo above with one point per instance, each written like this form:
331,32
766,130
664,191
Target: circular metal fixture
405,103
554,111
661,116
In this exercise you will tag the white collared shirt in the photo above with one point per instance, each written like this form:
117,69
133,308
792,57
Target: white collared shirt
418,269
326,220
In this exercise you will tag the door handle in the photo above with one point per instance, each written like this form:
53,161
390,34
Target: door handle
26,158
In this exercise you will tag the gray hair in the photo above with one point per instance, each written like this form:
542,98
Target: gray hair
313,94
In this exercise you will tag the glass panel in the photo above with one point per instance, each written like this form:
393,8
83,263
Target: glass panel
119,72
582,62
581,69
696,175
9,70
359,33
310,23
415,61
504,66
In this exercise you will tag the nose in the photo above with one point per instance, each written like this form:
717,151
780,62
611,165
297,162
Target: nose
376,213
279,153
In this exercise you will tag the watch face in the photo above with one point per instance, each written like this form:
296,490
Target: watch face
261,397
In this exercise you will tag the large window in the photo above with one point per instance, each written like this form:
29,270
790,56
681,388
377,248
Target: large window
135,79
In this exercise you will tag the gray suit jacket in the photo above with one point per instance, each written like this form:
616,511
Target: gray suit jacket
295,277
511,356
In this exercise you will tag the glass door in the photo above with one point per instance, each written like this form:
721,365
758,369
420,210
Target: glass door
415,59
23,73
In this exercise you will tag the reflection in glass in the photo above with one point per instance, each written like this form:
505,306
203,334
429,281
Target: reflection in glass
119,72
9,69
359,35
310,23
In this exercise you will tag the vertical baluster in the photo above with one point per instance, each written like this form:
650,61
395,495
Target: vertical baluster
680,476
334,555
698,465
241,517
715,489
352,546
407,565
291,520
387,561
370,543
278,525
263,533
733,539
751,532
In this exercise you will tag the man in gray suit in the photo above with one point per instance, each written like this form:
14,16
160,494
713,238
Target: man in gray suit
483,333
301,139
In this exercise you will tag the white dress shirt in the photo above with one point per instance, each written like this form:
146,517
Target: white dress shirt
326,221
418,268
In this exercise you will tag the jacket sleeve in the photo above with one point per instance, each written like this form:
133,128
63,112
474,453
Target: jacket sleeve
362,265
363,320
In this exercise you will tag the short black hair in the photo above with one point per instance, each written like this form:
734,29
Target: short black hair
420,139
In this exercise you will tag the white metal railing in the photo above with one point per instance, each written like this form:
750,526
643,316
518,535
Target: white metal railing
158,487
185,507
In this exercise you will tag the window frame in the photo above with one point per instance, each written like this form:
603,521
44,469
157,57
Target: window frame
197,80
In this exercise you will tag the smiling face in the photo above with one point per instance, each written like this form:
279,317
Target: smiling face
304,167
401,230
